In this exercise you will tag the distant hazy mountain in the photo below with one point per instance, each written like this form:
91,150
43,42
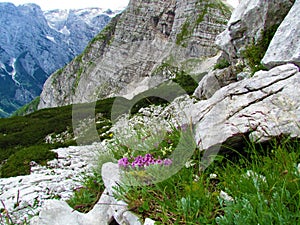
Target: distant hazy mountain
34,44
79,26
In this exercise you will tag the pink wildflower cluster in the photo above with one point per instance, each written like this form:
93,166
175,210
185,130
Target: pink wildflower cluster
141,162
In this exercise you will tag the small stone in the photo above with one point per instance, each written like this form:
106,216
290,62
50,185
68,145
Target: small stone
68,163
149,222
243,75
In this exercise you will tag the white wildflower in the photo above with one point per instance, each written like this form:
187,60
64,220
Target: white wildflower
196,178
213,176
225,196
255,176
190,163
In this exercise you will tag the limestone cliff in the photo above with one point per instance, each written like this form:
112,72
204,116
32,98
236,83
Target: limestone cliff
249,22
126,57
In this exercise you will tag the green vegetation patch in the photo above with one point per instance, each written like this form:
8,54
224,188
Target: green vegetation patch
180,77
28,108
187,82
56,74
19,163
86,196
254,53
222,64
262,186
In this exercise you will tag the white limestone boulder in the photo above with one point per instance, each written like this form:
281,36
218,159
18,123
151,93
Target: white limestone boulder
264,106
247,22
285,45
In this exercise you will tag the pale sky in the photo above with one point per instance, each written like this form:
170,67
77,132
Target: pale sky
75,4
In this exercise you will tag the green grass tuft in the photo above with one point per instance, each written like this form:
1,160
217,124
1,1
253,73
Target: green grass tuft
263,182
222,64
85,197
255,53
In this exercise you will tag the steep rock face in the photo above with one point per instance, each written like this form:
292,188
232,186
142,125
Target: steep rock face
31,49
285,46
127,56
247,23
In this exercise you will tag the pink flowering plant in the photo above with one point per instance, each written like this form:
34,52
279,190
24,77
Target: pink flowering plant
141,162
148,158
142,169
157,146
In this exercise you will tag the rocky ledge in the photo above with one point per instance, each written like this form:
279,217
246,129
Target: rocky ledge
23,196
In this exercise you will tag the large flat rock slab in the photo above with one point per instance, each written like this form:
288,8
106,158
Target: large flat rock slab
264,106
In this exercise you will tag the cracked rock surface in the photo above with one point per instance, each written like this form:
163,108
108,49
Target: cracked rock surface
106,210
264,106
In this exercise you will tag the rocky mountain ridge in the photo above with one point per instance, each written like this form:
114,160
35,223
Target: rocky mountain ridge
134,51
34,45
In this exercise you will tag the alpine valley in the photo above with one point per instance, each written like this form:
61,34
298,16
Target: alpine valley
35,43
177,112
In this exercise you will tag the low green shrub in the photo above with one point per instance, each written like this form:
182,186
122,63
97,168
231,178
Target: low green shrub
186,82
28,108
222,64
85,197
19,163
255,53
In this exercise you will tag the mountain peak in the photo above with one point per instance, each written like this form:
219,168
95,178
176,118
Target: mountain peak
34,44
122,60
7,7
31,9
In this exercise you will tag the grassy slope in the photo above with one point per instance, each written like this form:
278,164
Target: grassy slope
20,133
